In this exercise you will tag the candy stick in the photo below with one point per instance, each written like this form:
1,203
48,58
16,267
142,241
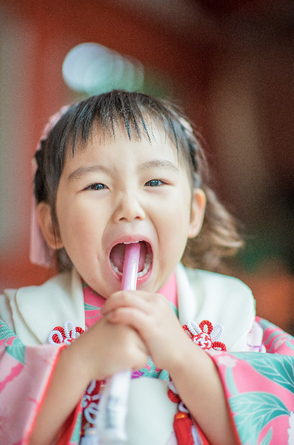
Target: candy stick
131,263
113,404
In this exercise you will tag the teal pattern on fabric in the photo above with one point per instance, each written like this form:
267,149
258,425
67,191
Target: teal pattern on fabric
253,411
17,350
290,343
174,308
163,375
230,382
75,438
5,331
150,371
268,437
277,368
90,307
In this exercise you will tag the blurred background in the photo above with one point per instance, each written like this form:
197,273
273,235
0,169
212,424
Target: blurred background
228,63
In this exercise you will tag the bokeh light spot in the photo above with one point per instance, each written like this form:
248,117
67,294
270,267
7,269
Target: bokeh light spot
92,68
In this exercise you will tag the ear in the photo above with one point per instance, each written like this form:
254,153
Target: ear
197,212
46,224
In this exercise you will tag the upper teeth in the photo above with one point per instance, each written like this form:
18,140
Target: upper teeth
132,242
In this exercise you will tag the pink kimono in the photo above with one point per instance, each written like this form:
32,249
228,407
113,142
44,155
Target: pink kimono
259,388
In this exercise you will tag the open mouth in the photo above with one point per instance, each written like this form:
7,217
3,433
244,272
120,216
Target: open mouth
117,256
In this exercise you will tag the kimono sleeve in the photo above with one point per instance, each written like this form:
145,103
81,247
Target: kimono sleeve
259,388
25,373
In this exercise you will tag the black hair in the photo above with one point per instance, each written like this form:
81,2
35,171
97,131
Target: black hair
137,112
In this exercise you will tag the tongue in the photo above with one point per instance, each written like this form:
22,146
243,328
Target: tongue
117,255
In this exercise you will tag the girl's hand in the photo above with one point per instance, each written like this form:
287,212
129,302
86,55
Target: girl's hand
102,351
192,370
153,318
106,349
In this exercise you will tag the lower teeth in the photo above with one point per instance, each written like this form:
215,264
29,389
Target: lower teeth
147,265
115,268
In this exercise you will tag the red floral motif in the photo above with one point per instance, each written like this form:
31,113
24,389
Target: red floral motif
205,335
66,334
90,405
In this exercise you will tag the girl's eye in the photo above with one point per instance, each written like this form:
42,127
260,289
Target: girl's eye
154,183
97,186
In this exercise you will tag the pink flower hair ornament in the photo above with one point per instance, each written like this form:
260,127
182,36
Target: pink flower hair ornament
40,253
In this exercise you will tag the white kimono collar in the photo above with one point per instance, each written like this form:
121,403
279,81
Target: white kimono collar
44,307
202,295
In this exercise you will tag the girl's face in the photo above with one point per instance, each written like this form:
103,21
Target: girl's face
115,191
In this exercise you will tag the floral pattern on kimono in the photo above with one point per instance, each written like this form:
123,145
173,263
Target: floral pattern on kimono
21,395
260,389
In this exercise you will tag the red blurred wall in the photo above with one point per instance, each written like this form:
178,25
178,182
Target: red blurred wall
59,26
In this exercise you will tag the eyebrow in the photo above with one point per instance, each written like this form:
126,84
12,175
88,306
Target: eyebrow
76,174
161,163
157,163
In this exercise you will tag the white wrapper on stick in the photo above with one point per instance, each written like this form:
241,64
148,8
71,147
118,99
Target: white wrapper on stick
111,422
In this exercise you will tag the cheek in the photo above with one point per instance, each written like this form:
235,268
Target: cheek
180,211
72,221
174,222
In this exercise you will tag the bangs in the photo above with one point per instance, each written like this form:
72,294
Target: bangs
108,112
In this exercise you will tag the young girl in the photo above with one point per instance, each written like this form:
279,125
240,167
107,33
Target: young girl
124,168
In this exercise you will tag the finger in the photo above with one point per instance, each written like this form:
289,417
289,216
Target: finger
130,316
136,299
159,337
148,326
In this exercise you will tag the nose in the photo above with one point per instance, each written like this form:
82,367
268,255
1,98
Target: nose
128,209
